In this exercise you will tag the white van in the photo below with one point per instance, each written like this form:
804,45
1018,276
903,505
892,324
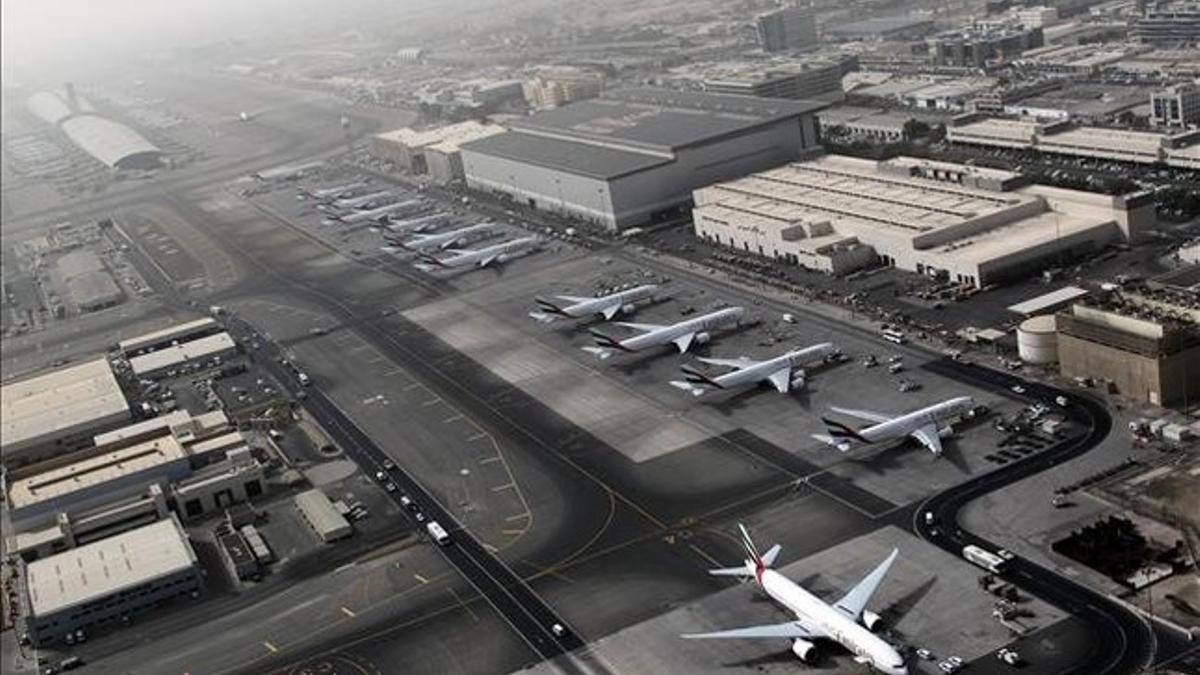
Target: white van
438,533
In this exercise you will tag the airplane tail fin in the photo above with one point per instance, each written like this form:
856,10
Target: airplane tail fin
695,376
841,431
548,306
755,564
606,342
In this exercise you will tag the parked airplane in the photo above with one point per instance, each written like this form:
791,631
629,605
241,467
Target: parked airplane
783,372
332,192
847,621
442,240
481,257
418,224
357,203
608,306
683,334
379,214
923,425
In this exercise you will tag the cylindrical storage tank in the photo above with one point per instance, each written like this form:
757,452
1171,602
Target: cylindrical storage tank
1037,339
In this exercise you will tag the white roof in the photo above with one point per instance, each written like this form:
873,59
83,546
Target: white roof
1049,300
59,403
108,566
181,353
320,512
166,334
456,134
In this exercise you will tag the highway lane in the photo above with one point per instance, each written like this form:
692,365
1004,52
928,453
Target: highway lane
1122,642
525,612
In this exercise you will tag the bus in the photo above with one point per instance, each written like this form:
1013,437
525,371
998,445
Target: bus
894,335
984,558
438,533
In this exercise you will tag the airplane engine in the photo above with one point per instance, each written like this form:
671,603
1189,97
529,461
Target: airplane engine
871,620
797,380
701,338
803,649
945,432
628,308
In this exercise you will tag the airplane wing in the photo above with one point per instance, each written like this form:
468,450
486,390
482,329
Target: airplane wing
929,437
736,364
644,327
781,380
488,260
684,341
853,603
790,630
573,298
611,310
863,414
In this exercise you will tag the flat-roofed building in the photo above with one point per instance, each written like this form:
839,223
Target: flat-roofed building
634,156
1176,106
810,79
325,521
89,284
407,148
181,332
109,579
553,87
865,123
991,131
1174,24
59,412
161,362
1123,145
965,224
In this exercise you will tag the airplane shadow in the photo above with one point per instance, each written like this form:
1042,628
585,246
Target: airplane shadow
897,610
731,402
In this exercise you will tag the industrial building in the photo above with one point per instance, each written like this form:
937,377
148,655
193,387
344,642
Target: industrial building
787,28
1177,106
433,151
1144,348
965,224
554,87
59,412
928,92
1140,147
1175,24
89,285
1039,16
866,123
209,350
819,79
890,28
325,521
183,332
115,145
634,156
976,47
110,580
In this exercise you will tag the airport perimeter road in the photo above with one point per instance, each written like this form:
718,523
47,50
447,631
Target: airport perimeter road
1122,642
507,593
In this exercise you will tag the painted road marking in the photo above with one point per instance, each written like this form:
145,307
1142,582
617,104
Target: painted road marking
519,516
511,532
506,486
475,437
420,578
348,612
489,460
432,401
270,647
452,418
411,386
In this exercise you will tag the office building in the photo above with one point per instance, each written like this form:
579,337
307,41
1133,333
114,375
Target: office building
1176,106
964,224
1136,345
554,87
979,46
813,79
110,580
787,28
634,156
59,412
1173,25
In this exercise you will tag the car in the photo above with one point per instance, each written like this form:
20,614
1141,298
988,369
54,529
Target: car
419,517
80,636
951,665
71,663
924,654
390,486
1017,389
388,465
558,629
408,503
896,367
380,476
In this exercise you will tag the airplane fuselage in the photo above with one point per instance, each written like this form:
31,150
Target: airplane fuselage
700,324
496,253
373,215
334,192
822,619
444,239
762,370
909,422
598,305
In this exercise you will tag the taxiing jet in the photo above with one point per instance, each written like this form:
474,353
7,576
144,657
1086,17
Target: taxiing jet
847,621
442,240
683,334
925,425
418,224
783,372
332,192
607,306
379,214
481,257
364,202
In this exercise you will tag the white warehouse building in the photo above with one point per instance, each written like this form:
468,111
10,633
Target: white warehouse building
966,224
634,156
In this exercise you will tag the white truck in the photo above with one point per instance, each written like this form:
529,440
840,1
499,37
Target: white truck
437,533
984,558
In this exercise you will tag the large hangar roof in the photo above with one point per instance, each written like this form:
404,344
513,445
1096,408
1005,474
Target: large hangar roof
60,402
115,144
584,159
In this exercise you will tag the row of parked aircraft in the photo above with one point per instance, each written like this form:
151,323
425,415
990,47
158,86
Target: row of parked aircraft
785,373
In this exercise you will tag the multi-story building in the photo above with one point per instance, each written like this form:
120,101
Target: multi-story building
552,88
1172,25
1176,106
1138,147
1037,17
1139,347
812,79
787,28
978,46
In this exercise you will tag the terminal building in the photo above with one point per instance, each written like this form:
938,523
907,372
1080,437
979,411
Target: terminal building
59,412
1144,348
110,580
633,157
959,223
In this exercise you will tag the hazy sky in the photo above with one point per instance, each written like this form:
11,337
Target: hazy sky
57,33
